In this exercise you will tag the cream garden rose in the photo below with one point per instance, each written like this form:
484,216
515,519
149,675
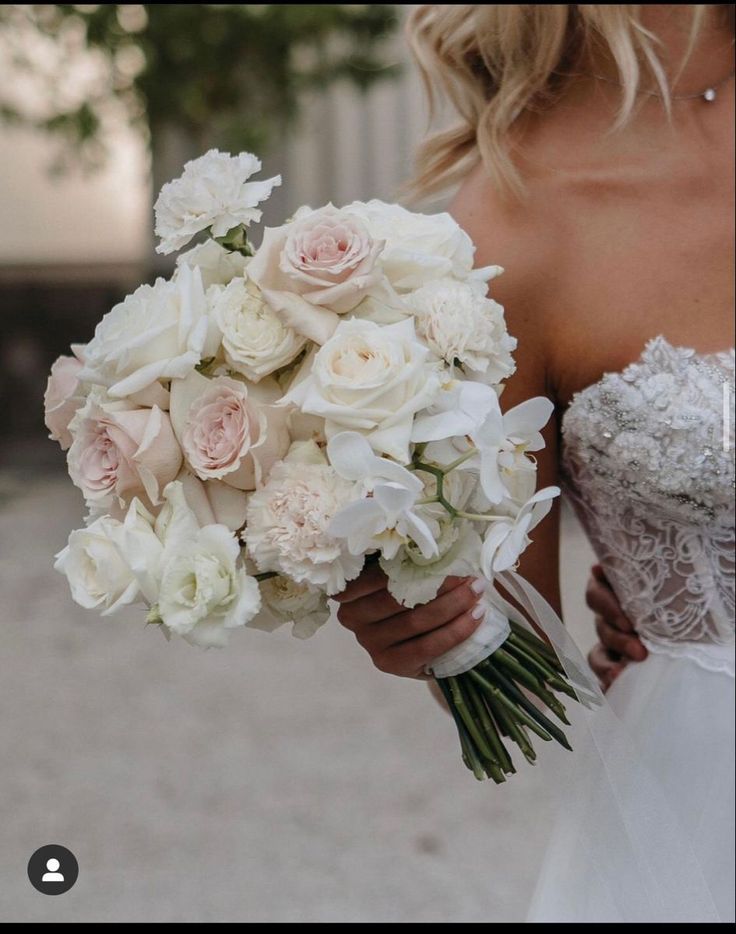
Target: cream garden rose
285,601
419,247
99,561
462,325
63,396
228,430
160,332
255,341
98,576
212,193
316,268
370,379
120,451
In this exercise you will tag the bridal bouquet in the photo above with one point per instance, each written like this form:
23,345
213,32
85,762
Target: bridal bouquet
251,431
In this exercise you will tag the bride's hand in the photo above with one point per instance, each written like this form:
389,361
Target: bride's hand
619,643
402,641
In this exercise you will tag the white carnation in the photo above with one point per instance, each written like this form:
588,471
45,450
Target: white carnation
161,331
213,192
461,325
288,519
217,265
254,339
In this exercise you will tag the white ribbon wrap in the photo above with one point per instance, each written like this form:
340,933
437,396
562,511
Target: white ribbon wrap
493,631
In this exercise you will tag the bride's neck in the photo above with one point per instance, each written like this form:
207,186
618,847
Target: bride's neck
710,60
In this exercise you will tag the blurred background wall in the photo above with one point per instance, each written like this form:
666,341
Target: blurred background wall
76,191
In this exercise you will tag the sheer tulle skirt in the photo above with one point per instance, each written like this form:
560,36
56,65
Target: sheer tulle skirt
681,718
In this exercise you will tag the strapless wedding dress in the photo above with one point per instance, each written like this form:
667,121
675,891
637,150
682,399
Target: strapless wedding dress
647,461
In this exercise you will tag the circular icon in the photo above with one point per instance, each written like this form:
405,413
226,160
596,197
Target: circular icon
53,869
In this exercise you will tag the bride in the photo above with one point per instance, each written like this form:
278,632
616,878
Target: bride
595,156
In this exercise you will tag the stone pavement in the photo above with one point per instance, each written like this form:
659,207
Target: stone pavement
273,781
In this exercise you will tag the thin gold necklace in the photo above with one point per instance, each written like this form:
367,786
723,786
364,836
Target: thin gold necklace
709,94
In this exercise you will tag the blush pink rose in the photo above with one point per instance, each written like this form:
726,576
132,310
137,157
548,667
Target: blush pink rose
121,451
318,267
62,399
228,430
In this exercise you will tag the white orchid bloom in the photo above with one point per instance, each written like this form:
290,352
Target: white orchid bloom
353,458
384,518
503,437
506,539
460,408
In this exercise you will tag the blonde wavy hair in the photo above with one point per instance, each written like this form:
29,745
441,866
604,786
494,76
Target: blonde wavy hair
495,61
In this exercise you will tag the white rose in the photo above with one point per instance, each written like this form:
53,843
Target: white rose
288,519
217,265
97,561
285,601
419,247
204,590
461,325
161,331
370,379
316,268
255,342
213,192
228,430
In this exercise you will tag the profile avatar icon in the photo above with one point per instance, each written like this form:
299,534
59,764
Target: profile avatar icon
53,874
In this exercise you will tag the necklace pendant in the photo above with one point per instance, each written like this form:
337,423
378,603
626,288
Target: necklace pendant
709,94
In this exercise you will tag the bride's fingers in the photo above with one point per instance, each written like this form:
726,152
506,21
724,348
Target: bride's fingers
371,579
410,658
624,643
420,620
605,667
368,610
602,601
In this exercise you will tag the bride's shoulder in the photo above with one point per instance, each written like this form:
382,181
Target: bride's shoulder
527,237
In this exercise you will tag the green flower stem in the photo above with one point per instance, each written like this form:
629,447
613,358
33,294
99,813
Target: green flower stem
489,727
513,729
515,694
460,460
514,670
531,659
469,722
470,757
513,708
534,642
439,475
478,517
493,765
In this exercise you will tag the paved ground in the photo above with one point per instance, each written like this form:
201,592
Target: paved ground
275,781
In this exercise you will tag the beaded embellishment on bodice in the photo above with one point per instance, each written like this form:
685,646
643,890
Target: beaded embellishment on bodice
647,460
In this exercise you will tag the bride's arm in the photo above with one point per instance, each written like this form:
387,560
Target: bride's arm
511,236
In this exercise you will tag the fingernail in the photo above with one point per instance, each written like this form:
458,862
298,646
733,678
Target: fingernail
478,611
478,586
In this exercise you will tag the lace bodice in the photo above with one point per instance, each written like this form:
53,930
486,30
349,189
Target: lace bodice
645,464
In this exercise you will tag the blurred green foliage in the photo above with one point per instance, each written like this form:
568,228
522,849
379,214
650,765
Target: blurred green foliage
226,75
